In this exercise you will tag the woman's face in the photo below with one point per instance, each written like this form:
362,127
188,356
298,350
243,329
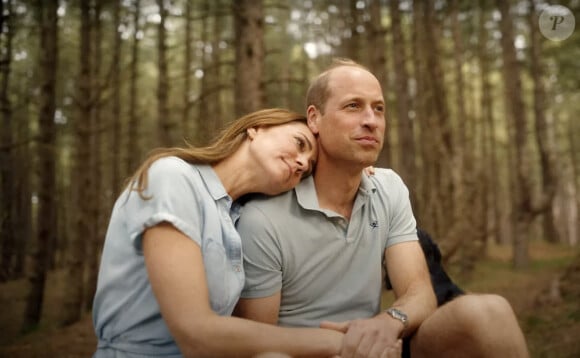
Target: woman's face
286,153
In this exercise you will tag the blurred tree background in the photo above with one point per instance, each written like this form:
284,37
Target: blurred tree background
482,113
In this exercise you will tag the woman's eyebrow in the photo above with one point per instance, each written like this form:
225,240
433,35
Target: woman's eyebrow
307,141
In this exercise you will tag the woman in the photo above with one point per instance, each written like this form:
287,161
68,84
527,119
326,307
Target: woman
171,269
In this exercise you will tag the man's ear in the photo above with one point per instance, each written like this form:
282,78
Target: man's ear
313,115
251,132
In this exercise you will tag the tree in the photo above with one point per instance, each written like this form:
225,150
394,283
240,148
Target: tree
7,152
249,42
514,106
46,222
405,135
133,124
164,122
82,180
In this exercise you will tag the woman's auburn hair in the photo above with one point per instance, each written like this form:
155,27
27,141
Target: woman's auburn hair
226,143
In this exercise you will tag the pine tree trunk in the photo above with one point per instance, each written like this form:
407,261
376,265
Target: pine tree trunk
94,242
133,150
116,157
379,66
7,150
81,177
46,222
544,132
249,42
165,125
405,136
515,109
186,120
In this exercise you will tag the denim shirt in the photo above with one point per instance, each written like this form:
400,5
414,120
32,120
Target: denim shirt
126,315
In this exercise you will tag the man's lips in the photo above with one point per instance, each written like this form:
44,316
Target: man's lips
367,140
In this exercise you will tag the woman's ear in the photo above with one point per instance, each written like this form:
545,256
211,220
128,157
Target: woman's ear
312,115
251,132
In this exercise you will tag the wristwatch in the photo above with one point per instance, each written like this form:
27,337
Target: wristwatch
398,314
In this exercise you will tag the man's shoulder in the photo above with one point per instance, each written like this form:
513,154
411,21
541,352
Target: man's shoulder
386,178
266,203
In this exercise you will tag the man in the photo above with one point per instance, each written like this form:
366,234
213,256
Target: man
313,256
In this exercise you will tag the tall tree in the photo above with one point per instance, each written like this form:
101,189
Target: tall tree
133,124
249,42
379,66
405,136
46,171
514,109
81,181
94,242
164,122
544,130
489,152
7,152
206,116
187,60
116,122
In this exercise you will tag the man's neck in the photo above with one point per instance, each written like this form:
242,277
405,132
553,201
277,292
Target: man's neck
336,187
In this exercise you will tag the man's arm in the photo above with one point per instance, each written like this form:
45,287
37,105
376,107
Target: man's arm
264,309
411,283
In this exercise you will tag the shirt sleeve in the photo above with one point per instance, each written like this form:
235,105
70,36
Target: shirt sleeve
402,223
262,253
171,197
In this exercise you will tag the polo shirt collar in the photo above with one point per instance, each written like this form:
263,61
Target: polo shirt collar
306,191
212,182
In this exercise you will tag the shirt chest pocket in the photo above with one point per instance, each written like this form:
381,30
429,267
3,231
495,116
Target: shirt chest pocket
223,282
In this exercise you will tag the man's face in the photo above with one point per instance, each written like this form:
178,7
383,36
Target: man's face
352,128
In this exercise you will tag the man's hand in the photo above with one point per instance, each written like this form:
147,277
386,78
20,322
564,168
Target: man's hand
373,337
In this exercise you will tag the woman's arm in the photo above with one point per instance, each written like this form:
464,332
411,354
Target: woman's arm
176,272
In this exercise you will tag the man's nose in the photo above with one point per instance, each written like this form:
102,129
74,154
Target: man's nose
371,119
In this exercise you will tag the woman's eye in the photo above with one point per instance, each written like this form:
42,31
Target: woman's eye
300,143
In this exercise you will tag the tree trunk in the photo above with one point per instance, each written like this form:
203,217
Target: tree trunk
515,109
94,242
7,150
165,126
249,42
46,147
544,131
379,66
425,165
205,116
133,150
116,157
441,131
186,120
490,177
82,180
405,136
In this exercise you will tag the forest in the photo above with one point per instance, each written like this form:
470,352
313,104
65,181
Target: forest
483,99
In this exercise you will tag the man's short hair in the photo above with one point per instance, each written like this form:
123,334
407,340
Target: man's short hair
318,91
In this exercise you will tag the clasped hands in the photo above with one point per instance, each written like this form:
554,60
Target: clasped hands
373,337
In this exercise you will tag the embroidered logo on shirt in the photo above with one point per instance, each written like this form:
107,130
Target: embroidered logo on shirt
375,224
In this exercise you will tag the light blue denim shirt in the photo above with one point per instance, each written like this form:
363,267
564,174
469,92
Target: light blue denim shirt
126,315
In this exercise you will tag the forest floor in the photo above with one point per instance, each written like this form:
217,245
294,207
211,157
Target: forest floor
551,322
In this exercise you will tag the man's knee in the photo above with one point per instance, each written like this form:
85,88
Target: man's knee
472,313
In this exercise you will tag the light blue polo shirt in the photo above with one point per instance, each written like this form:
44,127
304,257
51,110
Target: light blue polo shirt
126,315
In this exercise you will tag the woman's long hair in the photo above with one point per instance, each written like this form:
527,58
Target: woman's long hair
224,145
